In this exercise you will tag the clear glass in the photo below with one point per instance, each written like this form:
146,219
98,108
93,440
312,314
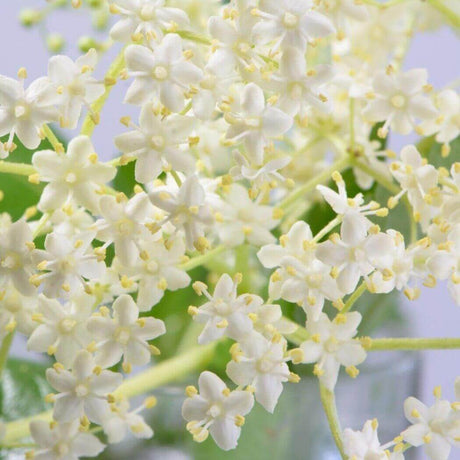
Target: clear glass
298,428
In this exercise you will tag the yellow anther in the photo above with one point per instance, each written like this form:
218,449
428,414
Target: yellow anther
126,282
42,265
162,284
427,438
293,378
318,371
66,287
192,310
415,413
340,319
51,350
283,240
382,212
127,368
199,287
155,351
375,424
316,338
297,355
78,244
150,402
366,342
97,370
338,304
239,420
49,398
201,244
337,177
222,324
437,392
352,371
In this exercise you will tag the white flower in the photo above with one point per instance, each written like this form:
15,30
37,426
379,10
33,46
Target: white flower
331,345
244,220
433,427
290,23
299,90
122,223
187,209
71,220
225,313
156,144
365,444
418,179
82,391
121,420
59,441
399,100
341,11
75,85
216,409
144,18
156,270
163,72
260,363
447,124
17,251
77,175
16,312
256,123
233,46
24,111
124,334
67,261
62,328
353,254
302,277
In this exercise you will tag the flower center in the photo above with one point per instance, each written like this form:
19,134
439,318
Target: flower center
66,325
151,266
158,142
290,20
160,72
331,345
214,411
22,111
61,449
67,264
122,335
398,101
11,261
209,82
124,227
253,123
81,390
314,280
264,365
71,178
76,88
296,91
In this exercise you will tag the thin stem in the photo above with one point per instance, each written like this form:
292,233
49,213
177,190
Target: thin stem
446,12
21,169
339,165
330,226
160,374
194,37
114,71
200,260
54,141
441,343
121,161
5,350
176,177
41,224
299,335
354,297
330,408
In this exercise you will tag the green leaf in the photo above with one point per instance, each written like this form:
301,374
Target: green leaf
124,180
22,389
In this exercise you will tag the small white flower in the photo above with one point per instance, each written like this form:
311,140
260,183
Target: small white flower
342,11
365,444
260,363
67,261
17,252
122,224
75,175
301,276
244,220
121,420
75,85
82,391
256,123
447,124
71,220
216,409
156,144
225,313
399,101
187,209
299,90
24,111
433,427
156,270
332,344
124,334
163,73
144,18
59,441
62,328
290,23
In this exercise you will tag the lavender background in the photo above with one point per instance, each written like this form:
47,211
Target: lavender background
434,314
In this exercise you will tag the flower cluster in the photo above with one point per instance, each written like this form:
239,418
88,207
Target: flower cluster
246,112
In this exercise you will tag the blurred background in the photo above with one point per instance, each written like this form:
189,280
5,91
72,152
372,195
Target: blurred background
433,314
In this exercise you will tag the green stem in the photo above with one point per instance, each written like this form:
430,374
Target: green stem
5,350
22,169
114,71
200,260
339,165
354,297
446,12
53,140
330,408
160,374
331,225
194,37
441,343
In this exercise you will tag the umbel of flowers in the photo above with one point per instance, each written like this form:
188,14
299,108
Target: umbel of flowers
249,113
